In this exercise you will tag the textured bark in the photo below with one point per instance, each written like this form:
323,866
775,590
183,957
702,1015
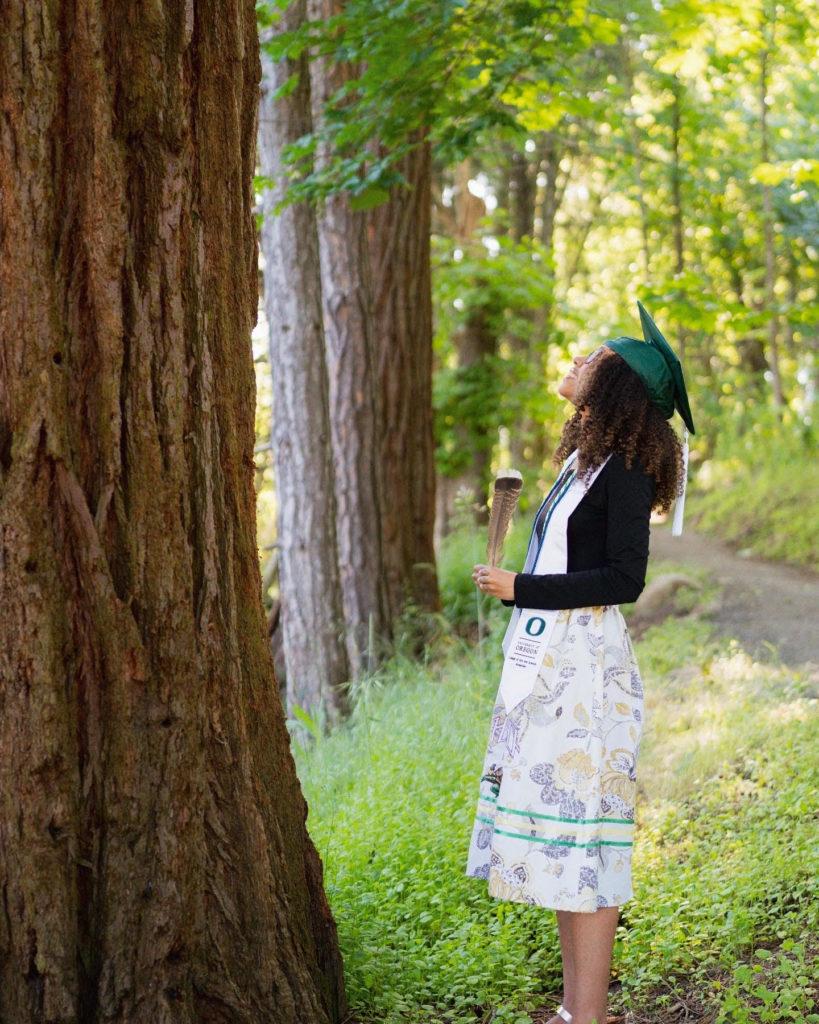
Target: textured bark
399,244
154,861
354,423
312,612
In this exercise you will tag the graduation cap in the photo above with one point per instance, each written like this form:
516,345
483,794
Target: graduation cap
654,362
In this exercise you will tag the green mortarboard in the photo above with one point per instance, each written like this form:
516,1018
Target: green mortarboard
654,362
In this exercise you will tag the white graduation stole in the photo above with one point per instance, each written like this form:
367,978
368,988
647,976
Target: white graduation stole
530,629
679,504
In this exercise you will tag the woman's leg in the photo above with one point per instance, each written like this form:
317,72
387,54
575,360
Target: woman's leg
591,942
567,954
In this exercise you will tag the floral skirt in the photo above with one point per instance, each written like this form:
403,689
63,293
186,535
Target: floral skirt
555,817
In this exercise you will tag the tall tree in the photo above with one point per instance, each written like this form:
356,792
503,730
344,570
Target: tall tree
354,407
312,613
421,91
154,862
399,246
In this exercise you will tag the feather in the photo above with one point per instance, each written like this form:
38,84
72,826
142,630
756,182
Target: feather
508,485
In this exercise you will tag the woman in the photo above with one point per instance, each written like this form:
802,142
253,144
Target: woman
555,818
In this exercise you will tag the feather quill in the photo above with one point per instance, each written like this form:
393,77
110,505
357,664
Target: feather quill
508,485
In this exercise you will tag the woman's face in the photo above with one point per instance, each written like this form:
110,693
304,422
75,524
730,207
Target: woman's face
569,386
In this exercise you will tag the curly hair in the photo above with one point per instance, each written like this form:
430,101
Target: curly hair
622,418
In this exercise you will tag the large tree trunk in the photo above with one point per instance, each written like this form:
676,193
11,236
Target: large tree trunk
399,243
154,862
354,424
311,603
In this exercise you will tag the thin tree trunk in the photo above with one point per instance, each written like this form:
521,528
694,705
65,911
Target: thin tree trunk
768,219
522,180
354,421
312,613
475,343
793,300
522,194
574,266
676,197
550,162
399,245
533,436
638,159
552,194
155,867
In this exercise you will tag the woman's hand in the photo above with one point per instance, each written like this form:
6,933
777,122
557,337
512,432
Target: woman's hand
495,582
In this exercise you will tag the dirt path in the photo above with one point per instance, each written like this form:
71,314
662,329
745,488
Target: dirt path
762,602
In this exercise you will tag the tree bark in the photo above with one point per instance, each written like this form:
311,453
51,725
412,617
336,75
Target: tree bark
310,586
399,245
154,862
353,407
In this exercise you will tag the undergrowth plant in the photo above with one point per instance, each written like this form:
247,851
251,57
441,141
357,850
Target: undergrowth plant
725,856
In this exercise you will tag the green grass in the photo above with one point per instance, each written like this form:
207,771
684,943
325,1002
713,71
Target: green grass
725,856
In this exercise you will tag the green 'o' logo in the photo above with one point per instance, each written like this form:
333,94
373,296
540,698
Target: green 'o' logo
535,625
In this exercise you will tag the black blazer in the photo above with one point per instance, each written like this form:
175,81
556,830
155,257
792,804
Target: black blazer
607,545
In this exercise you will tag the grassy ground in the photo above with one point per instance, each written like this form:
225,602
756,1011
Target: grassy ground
725,858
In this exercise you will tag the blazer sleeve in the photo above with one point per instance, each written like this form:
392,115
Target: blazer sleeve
622,577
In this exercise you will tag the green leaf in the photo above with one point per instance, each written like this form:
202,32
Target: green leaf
369,198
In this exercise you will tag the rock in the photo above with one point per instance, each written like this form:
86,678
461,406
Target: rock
657,600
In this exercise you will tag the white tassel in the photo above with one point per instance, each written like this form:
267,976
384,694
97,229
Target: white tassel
679,504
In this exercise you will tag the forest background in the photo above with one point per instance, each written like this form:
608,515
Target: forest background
564,160
515,176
